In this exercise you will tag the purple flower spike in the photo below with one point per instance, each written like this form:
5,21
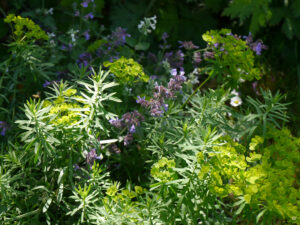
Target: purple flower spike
197,58
188,45
209,55
119,36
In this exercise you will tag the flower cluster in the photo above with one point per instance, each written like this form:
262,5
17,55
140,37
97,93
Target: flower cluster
129,121
147,25
63,108
84,59
126,70
165,44
188,45
175,59
162,170
109,47
118,36
157,105
25,27
256,46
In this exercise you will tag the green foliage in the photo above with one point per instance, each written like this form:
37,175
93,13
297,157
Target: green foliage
267,176
127,71
74,155
258,10
233,58
270,111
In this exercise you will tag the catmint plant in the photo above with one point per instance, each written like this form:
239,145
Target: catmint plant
147,25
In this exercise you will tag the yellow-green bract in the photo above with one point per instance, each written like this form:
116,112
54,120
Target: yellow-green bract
126,70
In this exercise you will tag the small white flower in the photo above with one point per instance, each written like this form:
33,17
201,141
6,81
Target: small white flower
235,101
141,25
73,37
234,92
241,80
50,11
72,33
51,35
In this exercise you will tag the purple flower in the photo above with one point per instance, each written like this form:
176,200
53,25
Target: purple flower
256,46
197,57
153,77
84,59
175,60
156,105
164,36
91,157
76,13
128,139
76,167
87,35
208,55
119,36
249,38
166,107
115,149
173,72
132,129
47,83
188,45
216,45
4,125
85,4
89,16
116,123
68,48
132,118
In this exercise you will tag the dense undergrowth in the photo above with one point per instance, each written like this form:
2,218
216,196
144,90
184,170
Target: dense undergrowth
114,128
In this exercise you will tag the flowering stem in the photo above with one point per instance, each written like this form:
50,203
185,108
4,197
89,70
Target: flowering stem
196,90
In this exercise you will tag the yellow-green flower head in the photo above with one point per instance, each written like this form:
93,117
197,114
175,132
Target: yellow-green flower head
70,92
126,70
24,27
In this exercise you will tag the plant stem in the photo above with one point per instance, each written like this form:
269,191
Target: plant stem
196,90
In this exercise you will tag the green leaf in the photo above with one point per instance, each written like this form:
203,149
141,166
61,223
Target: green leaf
287,28
260,215
47,204
142,46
